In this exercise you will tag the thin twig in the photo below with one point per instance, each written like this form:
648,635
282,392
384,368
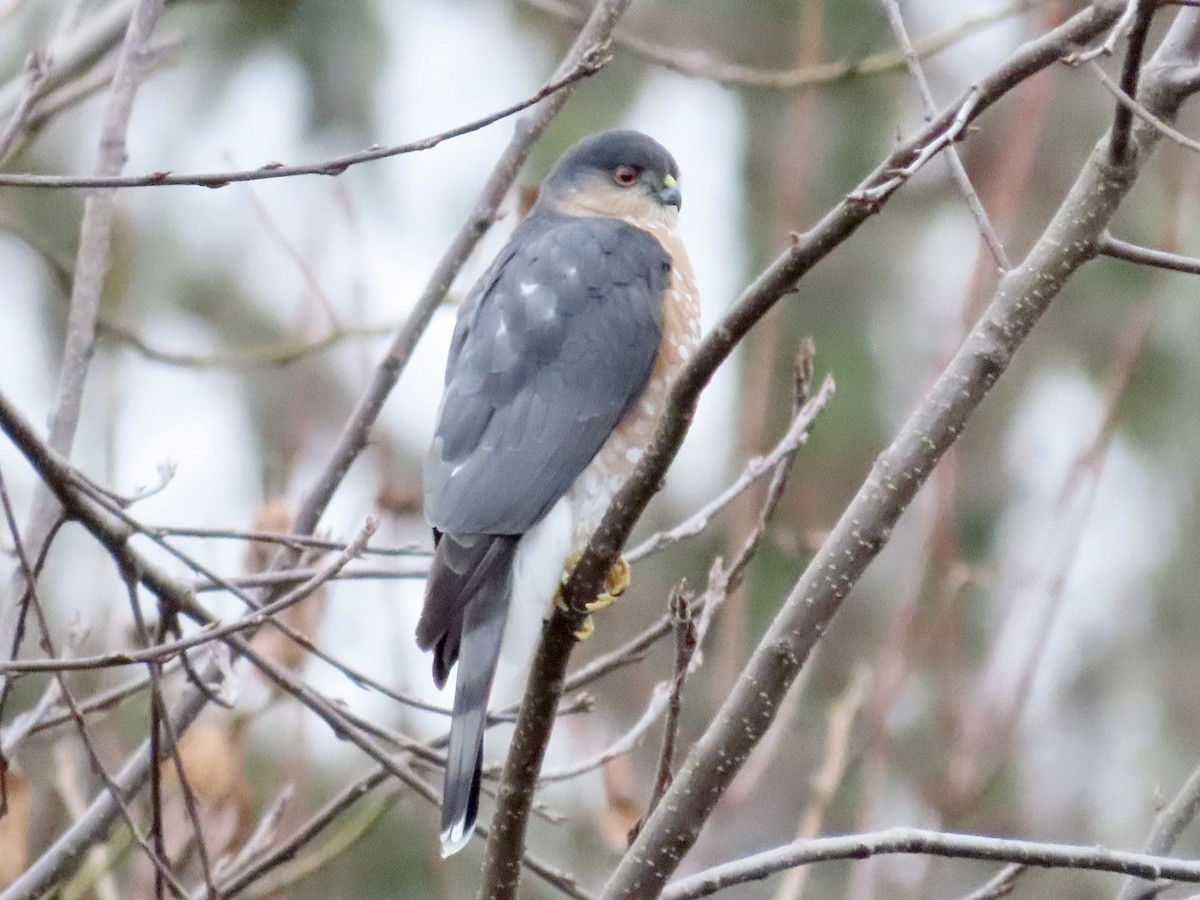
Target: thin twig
1146,256
958,172
153,853
756,469
626,743
216,631
588,64
1169,824
288,577
37,68
286,539
1141,112
242,358
686,642
842,715
39,718
1001,884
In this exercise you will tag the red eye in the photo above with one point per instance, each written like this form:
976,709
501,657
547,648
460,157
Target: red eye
625,175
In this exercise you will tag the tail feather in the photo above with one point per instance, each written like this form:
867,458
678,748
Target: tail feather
466,605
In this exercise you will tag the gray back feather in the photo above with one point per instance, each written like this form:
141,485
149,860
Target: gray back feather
551,348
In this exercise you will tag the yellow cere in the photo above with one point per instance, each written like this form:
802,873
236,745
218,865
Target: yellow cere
669,180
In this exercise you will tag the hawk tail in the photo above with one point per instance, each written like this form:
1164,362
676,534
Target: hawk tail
471,575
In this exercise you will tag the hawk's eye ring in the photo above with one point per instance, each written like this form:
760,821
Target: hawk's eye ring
625,175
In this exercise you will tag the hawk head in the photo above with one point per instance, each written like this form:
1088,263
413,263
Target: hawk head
625,174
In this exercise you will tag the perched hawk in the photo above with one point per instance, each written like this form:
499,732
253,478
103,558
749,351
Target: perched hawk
558,372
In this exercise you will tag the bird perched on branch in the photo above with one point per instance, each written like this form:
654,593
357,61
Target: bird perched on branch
559,368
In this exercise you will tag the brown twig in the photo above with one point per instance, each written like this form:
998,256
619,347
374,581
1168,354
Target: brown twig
686,642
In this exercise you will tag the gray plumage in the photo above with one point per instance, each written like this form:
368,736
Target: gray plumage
552,346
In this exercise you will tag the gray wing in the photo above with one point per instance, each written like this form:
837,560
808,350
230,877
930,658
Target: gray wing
552,347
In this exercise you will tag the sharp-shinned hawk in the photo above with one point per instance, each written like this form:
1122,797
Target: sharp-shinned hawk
559,368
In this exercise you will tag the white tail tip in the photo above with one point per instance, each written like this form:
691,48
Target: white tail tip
457,836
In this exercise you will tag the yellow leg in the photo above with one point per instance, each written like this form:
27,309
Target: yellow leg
615,584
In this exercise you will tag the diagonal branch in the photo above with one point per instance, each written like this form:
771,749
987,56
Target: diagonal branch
1021,297
549,666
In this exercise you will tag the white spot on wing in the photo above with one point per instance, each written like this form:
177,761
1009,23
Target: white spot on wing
528,288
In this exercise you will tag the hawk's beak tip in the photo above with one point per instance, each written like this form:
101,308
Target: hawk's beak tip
670,196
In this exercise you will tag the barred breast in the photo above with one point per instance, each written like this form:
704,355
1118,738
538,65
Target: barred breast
593,490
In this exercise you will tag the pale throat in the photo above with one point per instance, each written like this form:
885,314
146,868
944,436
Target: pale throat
633,207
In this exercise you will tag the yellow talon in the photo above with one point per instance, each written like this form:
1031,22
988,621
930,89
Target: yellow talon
615,584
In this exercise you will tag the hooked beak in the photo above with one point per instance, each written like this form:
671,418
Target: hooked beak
669,195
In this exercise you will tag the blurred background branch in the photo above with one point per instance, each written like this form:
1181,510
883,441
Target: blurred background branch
1018,658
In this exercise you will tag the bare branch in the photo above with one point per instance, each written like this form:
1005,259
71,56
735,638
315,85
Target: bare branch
158,652
1145,256
626,743
589,63
687,639
935,843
